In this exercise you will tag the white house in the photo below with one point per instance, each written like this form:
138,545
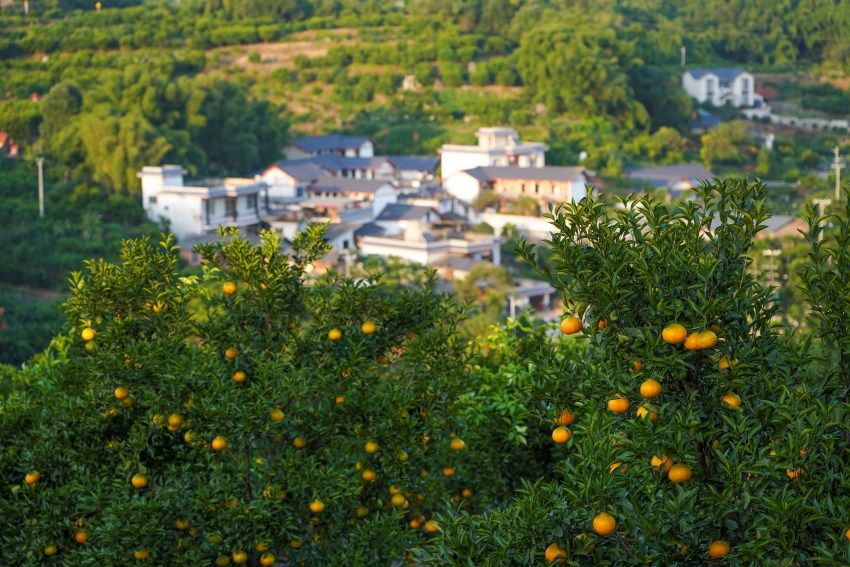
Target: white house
400,219
412,169
496,147
432,251
287,180
722,86
332,195
331,144
197,209
552,183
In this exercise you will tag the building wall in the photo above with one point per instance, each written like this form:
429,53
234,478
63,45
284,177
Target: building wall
463,186
184,212
281,186
453,161
382,197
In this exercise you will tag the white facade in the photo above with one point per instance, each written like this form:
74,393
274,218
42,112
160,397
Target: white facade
722,86
496,147
486,248
283,188
463,186
195,209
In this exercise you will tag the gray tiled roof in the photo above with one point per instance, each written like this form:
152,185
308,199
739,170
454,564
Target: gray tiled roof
348,185
415,163
724,74
548,173
329,142
396,212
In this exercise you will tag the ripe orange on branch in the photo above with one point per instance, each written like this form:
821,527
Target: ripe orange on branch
561,435
604,523
619,404
717,549
674,334
565,418
571,325
555,553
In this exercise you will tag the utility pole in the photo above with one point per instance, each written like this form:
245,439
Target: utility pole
26,7
837,166
822,204
683,52
40,161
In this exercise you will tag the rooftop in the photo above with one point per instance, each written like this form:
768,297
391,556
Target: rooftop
328,142
348,185
691,171
397,212
548,173
726,74
415,163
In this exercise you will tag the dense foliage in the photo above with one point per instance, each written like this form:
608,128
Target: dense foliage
739,437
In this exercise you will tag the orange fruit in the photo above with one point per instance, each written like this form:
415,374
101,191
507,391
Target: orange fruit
795,473
339,399
679,473
724,362
181,524
240,557
141,554
561,435
616,466
239,376
648,410
636,366
674,334
295,544
732,399
466,493
650,388
717,549
448,471
81,537
362,511
601,324
267,559
32,477
706,339
334,334
139,480
219,443
555,553
847,534
229,288
565,418
571,325
692,341
457,444
231,353
397,500
121,392
175,420
656,463
618,404
276,415
50,549
371,447
369,475
317,506
431,526
88,334
367,328
299,442
604,523
222,561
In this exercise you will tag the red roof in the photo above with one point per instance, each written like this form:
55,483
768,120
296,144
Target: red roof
3,137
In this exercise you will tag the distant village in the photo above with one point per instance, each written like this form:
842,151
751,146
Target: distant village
449,211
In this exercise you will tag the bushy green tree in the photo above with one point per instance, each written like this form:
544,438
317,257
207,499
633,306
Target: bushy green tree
720,438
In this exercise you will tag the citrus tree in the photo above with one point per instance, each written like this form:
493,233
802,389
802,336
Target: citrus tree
688,431
243,416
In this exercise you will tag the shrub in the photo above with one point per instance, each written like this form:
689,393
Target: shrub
761,431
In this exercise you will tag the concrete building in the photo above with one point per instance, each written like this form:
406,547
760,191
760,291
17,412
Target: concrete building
555,184
331,144
195,209
722,86
496,147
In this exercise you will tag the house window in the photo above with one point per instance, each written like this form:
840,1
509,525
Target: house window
209,210
745,87
251,202
152,200
709,88
230,207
